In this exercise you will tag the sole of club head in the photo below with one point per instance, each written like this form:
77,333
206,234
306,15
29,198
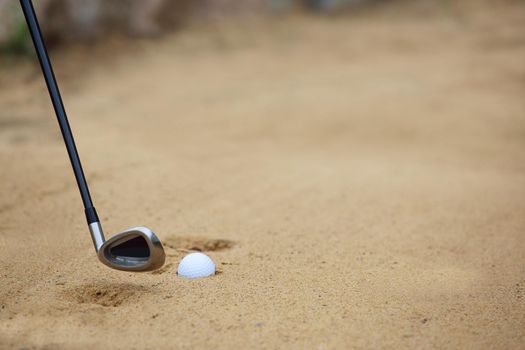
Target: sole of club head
153,262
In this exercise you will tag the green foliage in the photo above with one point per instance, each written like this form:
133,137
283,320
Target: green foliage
19,41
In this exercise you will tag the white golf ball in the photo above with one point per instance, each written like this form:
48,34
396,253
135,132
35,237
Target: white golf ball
196,265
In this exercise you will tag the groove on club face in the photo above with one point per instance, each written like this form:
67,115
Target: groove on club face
136,249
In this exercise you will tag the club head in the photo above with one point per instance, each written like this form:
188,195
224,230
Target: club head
136,249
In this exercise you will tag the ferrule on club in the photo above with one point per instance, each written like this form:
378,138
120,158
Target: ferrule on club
96,235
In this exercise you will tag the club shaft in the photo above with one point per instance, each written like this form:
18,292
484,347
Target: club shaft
54,93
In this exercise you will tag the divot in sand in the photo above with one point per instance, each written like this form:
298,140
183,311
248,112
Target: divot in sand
107,295
199,244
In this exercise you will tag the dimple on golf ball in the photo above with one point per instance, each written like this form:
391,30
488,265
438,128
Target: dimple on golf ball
196,265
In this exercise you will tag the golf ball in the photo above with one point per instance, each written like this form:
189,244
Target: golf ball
196,265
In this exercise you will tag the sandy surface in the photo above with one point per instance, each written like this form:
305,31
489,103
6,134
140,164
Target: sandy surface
359,182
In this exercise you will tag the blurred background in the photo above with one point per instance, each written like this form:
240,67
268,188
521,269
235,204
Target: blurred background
88,20
91,20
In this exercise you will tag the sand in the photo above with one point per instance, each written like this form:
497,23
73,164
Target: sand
359,182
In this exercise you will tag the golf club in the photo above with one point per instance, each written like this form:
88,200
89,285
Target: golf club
136,249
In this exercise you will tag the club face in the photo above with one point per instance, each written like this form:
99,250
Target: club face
136,249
